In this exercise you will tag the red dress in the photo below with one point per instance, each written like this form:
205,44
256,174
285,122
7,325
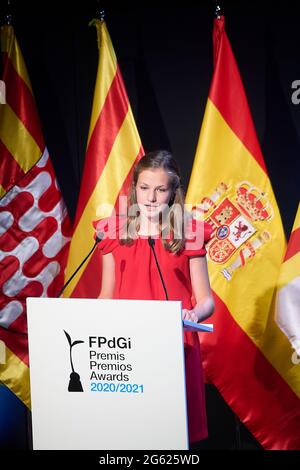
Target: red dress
137,277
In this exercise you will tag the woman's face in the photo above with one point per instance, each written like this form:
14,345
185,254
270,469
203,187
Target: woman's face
153,191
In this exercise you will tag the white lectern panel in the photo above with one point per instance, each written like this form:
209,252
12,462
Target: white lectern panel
107,374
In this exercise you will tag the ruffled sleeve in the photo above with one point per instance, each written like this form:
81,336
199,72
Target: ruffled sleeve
197,234
109,230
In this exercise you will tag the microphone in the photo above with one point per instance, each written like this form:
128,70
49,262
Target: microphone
98,239
151,243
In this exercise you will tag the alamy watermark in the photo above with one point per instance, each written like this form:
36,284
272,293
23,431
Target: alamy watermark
2,92
296,94
2,352
295,358
124,222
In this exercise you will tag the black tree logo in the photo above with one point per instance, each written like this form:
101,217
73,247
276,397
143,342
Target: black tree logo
74,384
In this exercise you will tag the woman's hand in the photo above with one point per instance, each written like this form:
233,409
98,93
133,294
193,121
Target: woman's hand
200,312
189,315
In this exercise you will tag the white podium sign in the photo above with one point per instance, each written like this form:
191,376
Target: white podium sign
107,374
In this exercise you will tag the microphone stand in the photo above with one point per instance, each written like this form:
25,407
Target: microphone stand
98,239
151,242
187,325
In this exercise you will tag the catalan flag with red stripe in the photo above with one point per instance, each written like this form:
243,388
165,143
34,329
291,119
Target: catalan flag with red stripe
113,148
288,295
34,226
248,358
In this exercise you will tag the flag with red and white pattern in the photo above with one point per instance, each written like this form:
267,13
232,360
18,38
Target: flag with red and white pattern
35,229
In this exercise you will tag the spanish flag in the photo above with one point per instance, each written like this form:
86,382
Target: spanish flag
113,148
248,358
35,228
288,295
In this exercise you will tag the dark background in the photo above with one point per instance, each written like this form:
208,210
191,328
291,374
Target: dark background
165,54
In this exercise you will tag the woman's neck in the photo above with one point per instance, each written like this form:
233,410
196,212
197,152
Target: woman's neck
148,228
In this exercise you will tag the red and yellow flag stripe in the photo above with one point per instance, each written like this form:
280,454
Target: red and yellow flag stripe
112,150
15,376
18,116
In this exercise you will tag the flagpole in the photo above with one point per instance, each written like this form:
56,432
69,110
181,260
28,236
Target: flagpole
218,12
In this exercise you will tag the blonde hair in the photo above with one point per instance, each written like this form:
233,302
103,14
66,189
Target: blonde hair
172,235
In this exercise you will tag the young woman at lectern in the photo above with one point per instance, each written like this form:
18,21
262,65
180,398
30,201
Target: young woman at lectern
156,220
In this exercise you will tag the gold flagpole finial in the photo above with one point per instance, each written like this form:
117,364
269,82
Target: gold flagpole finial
8,14
100,13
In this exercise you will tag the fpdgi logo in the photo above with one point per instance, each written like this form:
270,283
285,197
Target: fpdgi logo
74,384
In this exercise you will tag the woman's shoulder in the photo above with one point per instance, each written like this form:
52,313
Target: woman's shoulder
109,231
